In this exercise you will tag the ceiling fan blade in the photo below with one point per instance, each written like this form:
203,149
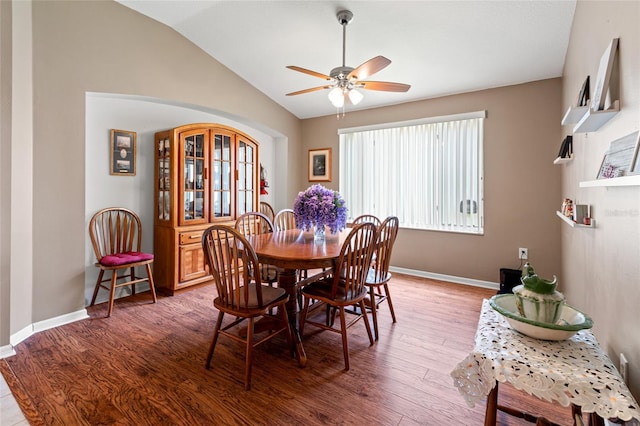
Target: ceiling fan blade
313,89
368,68
306,71
383,86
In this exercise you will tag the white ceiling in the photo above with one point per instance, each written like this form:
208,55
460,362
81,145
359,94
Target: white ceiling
438,47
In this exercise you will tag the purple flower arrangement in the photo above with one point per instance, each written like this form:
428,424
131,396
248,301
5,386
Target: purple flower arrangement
319,206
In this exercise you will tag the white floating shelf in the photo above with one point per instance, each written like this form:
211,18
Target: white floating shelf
619,181
574,114
562,160
593,120
573,224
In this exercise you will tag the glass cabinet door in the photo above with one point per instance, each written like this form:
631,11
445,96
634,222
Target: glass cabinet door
163,146
246,183
221,178
193,206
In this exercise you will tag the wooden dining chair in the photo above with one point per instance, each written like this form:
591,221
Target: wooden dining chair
364,218
255,223
116,236
378,276
241,294
343,286
267,210
285,219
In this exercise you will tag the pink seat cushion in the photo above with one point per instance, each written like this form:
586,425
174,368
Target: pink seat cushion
124,258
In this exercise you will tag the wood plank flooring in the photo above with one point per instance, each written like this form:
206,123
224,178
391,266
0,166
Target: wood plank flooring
145,366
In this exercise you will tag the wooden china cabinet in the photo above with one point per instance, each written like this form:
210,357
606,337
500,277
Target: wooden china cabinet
204,174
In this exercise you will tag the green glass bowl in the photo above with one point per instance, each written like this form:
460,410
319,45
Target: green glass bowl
569,323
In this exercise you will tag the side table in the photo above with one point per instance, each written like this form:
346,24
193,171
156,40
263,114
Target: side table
574,372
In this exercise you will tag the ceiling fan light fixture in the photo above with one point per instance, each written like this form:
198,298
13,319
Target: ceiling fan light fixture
355,97
344,79
336,96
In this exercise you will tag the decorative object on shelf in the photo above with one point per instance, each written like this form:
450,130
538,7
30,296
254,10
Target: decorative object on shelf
621,157
263,181
567,207
581,212
318,207
604,76
123,153
584,96
320,165
536,298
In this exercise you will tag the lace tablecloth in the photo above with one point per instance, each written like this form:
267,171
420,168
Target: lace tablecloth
574,371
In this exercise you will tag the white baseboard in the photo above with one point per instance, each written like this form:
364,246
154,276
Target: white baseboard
6,351
60,320
36,327
450,278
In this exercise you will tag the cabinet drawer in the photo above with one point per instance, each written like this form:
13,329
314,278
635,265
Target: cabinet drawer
191,237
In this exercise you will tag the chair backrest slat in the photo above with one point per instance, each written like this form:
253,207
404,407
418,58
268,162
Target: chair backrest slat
267,210
387,233
364,218
354,260
115,230
253,223
231,259
285,219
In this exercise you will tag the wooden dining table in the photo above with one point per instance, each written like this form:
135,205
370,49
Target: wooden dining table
294,250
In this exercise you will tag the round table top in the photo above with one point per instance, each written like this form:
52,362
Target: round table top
296,249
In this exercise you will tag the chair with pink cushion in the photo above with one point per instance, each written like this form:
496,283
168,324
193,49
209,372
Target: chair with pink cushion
116,235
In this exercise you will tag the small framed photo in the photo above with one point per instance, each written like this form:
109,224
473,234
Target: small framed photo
123,153
320,165
621,157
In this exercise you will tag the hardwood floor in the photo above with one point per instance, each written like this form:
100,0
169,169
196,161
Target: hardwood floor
145,366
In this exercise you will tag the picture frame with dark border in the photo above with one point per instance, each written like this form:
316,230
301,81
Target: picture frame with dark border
122,155
320,165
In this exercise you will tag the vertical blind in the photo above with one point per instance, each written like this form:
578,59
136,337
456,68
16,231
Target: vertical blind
428,174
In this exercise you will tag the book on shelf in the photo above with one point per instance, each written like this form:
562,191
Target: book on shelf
566,148
583,96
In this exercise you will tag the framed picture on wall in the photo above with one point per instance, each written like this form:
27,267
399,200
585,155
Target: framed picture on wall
604,76
123,153
320,165
620,157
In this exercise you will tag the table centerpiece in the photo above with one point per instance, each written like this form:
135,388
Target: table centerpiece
318,207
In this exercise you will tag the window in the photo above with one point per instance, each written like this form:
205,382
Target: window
428,173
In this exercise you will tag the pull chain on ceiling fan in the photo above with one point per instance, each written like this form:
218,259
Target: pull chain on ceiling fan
345,80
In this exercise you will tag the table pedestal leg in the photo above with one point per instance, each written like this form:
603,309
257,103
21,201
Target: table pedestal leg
287,279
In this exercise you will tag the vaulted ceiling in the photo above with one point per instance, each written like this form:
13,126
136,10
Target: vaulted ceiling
437,47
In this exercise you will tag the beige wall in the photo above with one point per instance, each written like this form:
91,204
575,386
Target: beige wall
106,47
602,265
522,186
5,169
78,47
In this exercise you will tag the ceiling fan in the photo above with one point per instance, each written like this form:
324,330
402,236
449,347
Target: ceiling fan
344,80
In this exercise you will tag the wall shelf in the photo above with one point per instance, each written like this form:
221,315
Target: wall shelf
619,181
593,120
562,160
573,224
574,114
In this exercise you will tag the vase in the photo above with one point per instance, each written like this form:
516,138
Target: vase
318,233
536,298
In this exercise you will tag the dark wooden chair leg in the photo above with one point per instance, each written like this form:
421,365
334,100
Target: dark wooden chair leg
491,412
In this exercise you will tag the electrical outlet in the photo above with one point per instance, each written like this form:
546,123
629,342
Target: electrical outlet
624,367
523,253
